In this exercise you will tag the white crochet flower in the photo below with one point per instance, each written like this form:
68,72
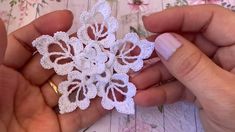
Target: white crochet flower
101,24
92,60
125,60
118,93
61,58
76,92
96,62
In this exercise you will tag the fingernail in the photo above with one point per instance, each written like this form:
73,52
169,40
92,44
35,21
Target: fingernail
166,45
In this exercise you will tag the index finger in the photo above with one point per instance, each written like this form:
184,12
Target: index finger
19,48
215,23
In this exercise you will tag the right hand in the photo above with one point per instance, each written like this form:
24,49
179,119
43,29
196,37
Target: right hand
203,63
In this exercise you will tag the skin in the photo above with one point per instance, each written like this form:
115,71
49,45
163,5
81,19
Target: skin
203,68
26,101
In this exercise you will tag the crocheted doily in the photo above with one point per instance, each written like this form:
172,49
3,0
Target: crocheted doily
95,62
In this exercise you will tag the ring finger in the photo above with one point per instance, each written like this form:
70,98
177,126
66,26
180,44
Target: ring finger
50,90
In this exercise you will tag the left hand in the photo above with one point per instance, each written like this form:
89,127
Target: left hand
26,100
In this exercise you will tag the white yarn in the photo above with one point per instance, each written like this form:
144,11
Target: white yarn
94,66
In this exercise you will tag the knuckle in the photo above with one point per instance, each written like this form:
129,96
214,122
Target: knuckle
187,65
221,55
7,77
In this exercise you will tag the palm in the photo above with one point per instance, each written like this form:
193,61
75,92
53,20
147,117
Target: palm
223,57
27,110
26,101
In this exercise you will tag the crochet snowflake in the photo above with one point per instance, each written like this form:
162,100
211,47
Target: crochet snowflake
95,62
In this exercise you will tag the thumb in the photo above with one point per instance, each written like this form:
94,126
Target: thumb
3,41
192,68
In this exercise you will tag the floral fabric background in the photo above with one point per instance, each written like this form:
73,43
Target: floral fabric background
179,117
16,13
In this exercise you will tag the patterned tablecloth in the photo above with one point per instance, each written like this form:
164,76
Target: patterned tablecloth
179,117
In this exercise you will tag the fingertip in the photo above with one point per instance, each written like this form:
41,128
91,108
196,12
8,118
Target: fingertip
1,23
139,99
2,30
149,97
60,20
3,40
147,22
68,14
66,20
3,33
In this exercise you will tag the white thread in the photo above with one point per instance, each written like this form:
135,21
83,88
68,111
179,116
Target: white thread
95,65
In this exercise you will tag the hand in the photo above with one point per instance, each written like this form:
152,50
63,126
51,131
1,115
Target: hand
26,100
201,58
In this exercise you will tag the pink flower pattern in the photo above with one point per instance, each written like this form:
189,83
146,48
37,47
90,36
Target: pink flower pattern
138,5
196,2
23,6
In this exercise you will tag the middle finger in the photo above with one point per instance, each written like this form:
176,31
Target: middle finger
151,75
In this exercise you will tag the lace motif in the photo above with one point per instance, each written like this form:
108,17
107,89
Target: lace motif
95,63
